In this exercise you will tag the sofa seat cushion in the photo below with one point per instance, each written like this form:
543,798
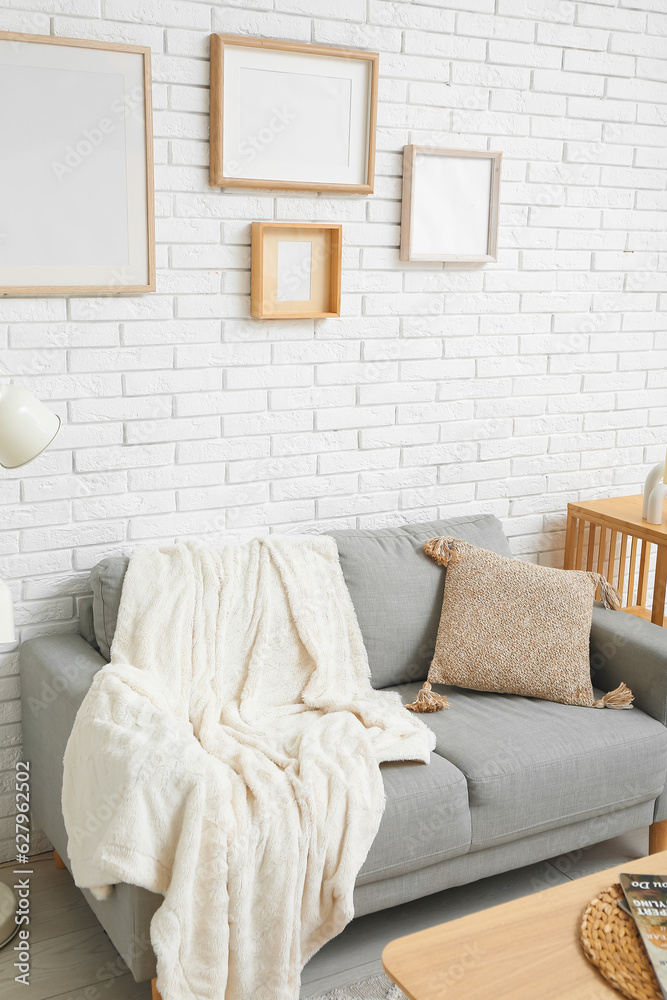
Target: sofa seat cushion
397,590
532,765
426,818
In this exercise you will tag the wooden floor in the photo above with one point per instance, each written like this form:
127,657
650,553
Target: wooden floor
73,959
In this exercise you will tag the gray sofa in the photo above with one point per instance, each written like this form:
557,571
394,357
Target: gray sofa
512,781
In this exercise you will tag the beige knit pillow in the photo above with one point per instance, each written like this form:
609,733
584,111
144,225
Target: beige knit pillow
517,628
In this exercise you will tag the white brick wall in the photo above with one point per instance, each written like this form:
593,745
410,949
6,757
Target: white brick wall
511,388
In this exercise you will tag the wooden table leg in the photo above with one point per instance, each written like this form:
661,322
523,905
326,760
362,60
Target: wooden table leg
657,837
602,548
658,610
592,528
59,863
642,582
154,990
579,554
632,571
570,539
621,568
611,565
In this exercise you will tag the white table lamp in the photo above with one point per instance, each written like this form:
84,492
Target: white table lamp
27,427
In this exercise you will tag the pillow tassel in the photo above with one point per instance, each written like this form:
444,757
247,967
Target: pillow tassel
620,697
427,700
441,550
609,595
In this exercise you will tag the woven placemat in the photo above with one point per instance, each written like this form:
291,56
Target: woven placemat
611,941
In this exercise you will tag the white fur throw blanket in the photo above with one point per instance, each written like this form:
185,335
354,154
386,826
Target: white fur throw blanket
228,758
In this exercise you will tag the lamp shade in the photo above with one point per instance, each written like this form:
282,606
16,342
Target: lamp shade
27,427
6,614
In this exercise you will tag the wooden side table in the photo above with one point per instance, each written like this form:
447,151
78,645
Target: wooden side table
610,537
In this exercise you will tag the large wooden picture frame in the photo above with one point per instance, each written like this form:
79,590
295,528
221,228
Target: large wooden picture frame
295,270
450,204
76,177
292,116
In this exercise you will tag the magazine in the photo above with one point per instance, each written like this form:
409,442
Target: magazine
646,896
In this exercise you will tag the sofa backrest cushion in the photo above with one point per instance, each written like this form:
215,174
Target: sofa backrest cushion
397,590
106,580
84,606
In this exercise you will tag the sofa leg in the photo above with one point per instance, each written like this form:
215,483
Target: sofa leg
657,837
58,860
155,993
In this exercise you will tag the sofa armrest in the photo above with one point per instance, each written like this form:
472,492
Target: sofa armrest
56,672
627,648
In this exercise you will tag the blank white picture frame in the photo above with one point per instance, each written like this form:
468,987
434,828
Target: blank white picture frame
290,115
76,167
450,205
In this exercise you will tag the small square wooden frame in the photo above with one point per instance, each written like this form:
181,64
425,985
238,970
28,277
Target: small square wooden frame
407,251
327,241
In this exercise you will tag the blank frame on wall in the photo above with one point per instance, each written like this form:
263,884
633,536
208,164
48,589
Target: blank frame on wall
450,204
295,270
293,116
76,167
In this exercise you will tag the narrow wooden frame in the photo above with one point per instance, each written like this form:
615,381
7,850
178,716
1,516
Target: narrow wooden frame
410,154
145,52
217,175
264,303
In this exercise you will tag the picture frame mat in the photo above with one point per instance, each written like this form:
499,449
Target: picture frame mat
325,270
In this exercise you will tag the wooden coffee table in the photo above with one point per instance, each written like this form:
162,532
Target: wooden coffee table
524,950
